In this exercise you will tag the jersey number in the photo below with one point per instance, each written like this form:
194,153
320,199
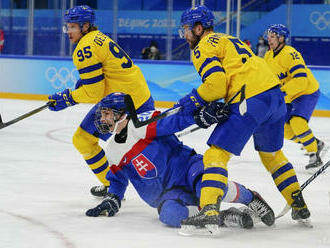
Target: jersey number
240,50
197,53
294,55
119,53
84,53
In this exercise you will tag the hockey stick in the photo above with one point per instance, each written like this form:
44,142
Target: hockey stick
137,123
37,110
242,100
188,132
308,181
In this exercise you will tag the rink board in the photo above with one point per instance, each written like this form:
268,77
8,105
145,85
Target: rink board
34,78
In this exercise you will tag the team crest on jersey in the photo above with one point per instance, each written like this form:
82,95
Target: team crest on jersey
144,167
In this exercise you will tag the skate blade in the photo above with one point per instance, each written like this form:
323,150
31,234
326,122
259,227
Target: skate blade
305,223
208,230
255,218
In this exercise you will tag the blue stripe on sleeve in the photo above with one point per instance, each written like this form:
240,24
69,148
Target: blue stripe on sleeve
102,168
96,158
212,70
90,68
296,67
206,62
93,79
300,75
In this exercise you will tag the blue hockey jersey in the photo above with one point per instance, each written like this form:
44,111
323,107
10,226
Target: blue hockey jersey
152,158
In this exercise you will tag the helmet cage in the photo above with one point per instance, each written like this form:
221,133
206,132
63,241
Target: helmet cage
103,127
115,102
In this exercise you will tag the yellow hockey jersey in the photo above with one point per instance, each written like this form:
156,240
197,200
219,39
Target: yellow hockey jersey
296,79
105,68
225,64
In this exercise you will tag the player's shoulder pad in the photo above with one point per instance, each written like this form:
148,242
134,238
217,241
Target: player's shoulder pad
211,41
100,38
206,47
289,49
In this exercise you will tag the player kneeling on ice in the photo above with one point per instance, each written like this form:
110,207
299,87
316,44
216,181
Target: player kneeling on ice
166,174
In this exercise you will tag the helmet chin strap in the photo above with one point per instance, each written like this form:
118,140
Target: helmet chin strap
115,129
118,122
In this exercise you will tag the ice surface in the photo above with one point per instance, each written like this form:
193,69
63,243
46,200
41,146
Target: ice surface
44,192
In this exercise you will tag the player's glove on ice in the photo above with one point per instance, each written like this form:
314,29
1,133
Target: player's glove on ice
61,100
191,102
214,112
109,206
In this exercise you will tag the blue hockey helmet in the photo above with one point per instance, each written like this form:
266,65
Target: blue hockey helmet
279,29
196,14
80,14
115,102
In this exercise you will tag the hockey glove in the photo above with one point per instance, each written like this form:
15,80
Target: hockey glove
191,102
109,206
61,100
214,112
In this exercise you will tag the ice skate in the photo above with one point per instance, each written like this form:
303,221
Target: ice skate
262,209
322,148
315,159
300,212
205,222
234,217
99,191
314,162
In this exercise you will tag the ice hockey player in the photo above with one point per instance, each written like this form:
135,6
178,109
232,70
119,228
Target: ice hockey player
104,67
301,91
226,66
165,173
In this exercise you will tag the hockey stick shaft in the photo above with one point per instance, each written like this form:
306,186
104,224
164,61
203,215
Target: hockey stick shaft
187,132
308,181
137,123
242,98
22,117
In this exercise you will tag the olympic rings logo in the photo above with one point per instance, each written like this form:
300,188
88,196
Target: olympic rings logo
320,20
62,78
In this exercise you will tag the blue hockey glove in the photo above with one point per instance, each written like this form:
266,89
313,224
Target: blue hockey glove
214,112
61,100
109,206
191,102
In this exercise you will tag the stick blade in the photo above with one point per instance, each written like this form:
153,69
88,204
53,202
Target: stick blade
2,125
131,110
